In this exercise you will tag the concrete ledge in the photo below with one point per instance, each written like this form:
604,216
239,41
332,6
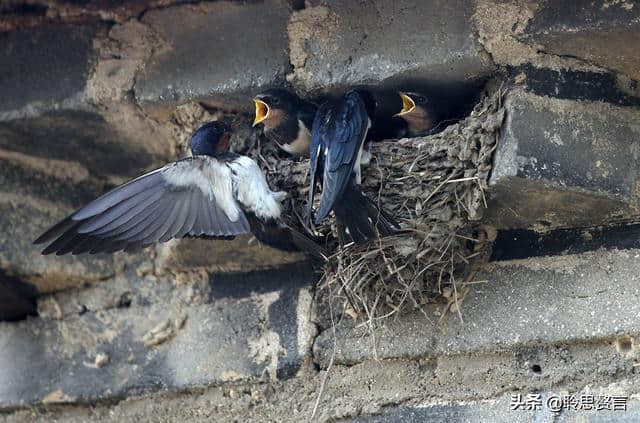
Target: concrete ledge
563,163
538,301
142,335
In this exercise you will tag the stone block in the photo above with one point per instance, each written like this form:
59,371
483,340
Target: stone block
242,254
80,137
220,53
569,299
23,220
335,44
243,327
44,68
602,32
564,163
47,112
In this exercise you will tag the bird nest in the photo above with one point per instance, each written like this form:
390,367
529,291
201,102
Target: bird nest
434,186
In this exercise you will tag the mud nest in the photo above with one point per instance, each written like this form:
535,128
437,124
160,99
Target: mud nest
435,188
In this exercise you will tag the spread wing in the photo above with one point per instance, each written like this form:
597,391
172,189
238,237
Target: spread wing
339,129
193,196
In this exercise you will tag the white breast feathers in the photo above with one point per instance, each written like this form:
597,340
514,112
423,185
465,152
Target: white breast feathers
250,188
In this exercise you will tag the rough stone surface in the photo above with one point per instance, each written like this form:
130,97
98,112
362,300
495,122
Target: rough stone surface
337,44
564,163
44,68
500,410
56,110
77,136
22,223
219,53
150,334
601,32
241,254
370,392
591,296
500,25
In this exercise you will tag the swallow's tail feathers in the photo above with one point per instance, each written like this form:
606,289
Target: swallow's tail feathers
278,234
359,218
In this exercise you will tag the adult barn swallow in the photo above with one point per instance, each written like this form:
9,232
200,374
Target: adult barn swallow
339,130
418,112
214,193
287,120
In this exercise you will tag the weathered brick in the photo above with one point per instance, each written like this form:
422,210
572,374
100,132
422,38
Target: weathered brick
23,220
242,254
564,162
242,327
581,298
337,44
602,32
218,53
44,68
47,113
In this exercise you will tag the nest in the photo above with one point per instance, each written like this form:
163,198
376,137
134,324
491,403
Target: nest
434,186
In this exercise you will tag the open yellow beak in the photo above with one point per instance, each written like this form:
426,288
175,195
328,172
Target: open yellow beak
407,105
262,111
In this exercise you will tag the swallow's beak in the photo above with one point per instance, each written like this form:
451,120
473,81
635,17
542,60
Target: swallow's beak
262,111
407,105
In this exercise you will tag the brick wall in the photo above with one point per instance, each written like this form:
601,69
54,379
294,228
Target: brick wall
95,92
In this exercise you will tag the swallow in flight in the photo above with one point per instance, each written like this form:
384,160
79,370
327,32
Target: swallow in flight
212,194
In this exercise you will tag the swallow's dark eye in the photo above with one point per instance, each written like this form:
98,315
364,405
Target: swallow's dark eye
421,100
275,101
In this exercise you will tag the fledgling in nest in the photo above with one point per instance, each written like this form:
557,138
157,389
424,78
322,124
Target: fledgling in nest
434,186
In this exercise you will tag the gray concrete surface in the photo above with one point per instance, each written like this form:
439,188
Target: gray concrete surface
335,44
537,301
564,163
143,334
220,53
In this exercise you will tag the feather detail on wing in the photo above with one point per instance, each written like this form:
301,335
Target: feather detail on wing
193,196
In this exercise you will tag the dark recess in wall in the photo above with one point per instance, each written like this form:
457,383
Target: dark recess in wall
17,298
22,9
297,4
575,85
520,243
451,102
